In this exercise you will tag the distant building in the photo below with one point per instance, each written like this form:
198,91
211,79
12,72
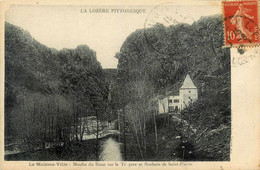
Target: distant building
87,128
52,143
188,93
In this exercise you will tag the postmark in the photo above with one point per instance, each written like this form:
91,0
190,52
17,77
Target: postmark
242,55
164,15
241,23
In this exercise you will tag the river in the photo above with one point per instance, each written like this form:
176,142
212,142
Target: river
110,150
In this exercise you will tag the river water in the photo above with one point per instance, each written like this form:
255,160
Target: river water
110,150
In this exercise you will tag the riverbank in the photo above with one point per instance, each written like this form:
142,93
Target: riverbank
175,145
166,143
76,151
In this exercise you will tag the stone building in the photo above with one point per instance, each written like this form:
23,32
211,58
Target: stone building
188,93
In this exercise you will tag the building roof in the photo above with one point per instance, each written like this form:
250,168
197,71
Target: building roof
188,84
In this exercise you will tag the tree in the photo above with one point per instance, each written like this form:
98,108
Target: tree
48,89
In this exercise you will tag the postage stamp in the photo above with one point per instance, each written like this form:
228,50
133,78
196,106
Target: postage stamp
241,25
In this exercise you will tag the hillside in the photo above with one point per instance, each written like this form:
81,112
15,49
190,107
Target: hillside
110,74
47,89
158,66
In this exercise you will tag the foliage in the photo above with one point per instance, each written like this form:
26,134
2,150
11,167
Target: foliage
47,91
164,61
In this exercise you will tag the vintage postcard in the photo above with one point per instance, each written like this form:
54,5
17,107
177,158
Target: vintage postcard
130,85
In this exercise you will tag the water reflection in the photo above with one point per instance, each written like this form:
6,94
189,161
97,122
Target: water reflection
110,151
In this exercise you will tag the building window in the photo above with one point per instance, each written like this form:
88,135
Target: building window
189,91
171,108
170,101
176,101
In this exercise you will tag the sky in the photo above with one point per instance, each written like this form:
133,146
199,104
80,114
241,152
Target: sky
67,26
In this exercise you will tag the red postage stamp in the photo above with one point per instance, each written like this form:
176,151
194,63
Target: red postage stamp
241,22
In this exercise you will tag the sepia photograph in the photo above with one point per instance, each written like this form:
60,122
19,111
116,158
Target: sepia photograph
118,82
